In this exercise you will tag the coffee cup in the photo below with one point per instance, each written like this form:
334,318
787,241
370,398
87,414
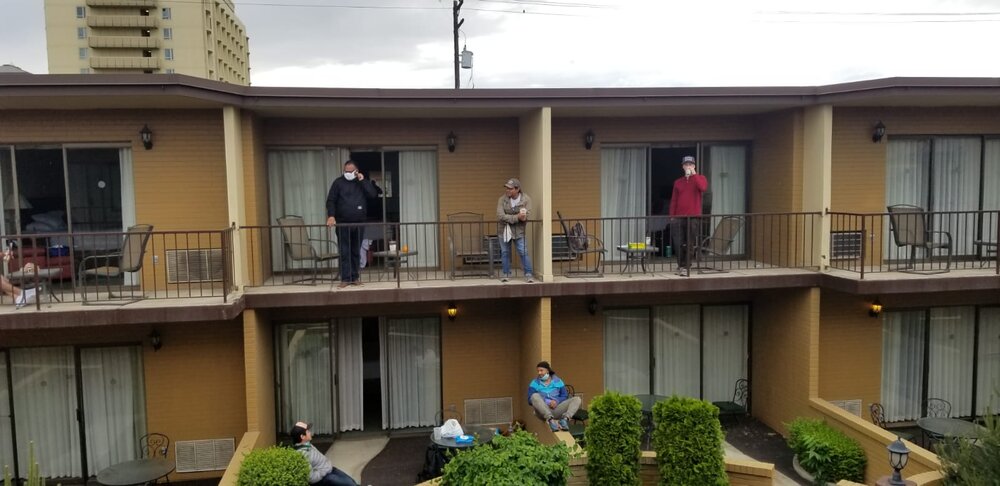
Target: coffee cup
392,246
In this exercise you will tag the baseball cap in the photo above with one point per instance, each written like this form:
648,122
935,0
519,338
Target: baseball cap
687,160
513,183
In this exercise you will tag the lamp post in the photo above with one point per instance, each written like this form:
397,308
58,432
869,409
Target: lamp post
456,5
899,455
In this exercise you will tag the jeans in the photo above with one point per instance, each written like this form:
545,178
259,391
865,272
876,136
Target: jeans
564,410
522,250
349,246
684,231
336,478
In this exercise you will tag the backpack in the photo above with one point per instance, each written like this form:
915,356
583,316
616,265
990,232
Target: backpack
577,237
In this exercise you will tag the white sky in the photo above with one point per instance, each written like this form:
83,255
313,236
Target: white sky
589,43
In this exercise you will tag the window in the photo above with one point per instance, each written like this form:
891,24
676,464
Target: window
81,12
170,71
83,52
166,13
168,54
168,33
938,353
81,32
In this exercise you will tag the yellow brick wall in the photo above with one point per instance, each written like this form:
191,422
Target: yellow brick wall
258,345
257,241
776,174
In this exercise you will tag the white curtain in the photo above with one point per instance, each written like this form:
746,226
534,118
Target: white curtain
902,364
350,374
991,188
6,449
988,365
114,404
45,406
306,376
952,335
677,345
728,185
626,351
955,181
411,380
418,204
907,172
298,182
128,189
623,195
726,353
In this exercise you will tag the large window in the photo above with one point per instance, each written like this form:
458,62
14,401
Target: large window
952,353
690,350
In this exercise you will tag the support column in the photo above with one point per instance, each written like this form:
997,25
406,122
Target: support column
536,345
536,180
816,174
235,199
258,364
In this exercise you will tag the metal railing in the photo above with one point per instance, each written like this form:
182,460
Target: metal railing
917,241
101,268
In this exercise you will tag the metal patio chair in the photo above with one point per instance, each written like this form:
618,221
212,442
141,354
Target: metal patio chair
878,418
469,244
127,259
738,407
717,245
910,228
299,248
576,245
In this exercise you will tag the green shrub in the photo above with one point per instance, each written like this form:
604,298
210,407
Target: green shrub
274,466
613,436
688,442
516,460
825,452
966,462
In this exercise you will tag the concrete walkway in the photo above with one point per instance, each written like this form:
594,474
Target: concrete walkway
779,478
352,454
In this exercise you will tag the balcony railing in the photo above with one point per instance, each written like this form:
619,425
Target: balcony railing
916,241
98,268
123,42
127,21
104,62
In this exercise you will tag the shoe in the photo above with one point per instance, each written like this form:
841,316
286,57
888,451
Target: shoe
342,285
20,301
505,278
357,283
529,278
554,425
683,272
563,424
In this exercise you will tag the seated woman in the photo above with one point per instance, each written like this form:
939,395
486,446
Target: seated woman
548,396
21,297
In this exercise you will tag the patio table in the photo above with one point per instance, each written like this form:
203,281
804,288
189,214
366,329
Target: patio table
988,250
394,259
950,427
484,436
648,402
636,255
139,471
44,277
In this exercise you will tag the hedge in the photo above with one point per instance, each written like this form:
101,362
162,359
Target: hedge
688,441
826,453
613,437
516,460
274,466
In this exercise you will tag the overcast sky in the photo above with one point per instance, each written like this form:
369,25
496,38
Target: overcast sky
589,43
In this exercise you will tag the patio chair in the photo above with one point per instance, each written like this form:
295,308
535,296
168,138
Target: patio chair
911,228
738,407
153,445
299,248
878,418
127,259
442,416
578,424
938,407
717,245
578,244
468,244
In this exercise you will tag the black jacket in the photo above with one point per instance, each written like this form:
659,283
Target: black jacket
348,200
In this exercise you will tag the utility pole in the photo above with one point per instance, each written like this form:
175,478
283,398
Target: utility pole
456,5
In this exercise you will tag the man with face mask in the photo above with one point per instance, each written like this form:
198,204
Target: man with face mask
347,202
685,202
548,396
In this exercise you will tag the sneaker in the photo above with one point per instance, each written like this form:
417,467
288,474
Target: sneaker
20,301
529,278
563,424
683,272
554,425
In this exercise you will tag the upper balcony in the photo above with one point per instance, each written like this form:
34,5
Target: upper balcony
123,42
104,62
125,21
121,3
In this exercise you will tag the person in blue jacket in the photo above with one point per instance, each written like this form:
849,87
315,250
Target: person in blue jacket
547,394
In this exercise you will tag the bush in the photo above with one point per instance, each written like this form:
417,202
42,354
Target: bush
274,466
688,442
613,437
519,460
825,452
966,462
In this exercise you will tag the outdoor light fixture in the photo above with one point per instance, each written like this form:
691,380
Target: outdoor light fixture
876,309
588,139
878,132
452,311
155,340
147,137
452,140
592,306
898,457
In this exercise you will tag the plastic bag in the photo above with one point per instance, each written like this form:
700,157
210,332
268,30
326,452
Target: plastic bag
451,429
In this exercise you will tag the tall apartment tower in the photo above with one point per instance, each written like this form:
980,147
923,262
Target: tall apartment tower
198,38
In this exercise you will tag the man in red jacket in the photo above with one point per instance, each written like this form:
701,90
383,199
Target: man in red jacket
685,206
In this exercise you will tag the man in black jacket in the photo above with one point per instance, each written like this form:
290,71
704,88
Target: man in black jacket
347,202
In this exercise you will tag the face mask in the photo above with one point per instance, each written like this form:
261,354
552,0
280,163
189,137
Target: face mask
545,377
349,176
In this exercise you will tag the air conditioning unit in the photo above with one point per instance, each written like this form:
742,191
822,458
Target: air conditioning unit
852,407
489,411
204,455
190,266
846,245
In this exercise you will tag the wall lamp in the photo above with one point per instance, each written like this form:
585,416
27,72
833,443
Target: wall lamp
452,311
588,139
899,455
452,140
155,340
876,309
592,306
147,137
878,132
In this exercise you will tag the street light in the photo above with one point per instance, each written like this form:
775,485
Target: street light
899,455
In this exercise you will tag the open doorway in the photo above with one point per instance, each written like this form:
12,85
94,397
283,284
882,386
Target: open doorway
372,383
665,168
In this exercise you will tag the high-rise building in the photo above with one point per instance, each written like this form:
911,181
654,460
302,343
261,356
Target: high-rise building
197,38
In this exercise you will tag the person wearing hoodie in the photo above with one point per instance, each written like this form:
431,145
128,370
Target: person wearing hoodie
548,396
321,472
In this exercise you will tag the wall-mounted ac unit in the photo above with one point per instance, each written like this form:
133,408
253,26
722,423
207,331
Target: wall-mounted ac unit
204,455
189,266
845,245
852,407
489,411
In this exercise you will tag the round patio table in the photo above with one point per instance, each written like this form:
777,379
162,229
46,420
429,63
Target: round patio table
950,427
139,471
485,435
